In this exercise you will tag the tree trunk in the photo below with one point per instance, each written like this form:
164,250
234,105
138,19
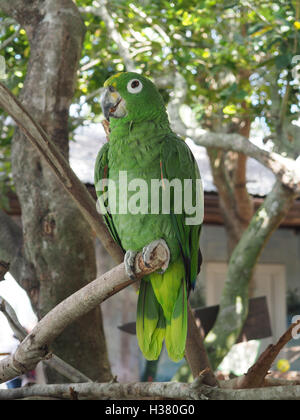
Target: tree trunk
229,174
57,240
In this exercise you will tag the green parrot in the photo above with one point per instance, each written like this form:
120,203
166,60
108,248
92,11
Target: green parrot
143,146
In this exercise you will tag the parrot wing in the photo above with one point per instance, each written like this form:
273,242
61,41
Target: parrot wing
178,162
102,174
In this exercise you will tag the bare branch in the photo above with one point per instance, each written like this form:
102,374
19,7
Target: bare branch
146,390
35,347
11,316
255,376
195,354
135,390
285,169
55,362
5,43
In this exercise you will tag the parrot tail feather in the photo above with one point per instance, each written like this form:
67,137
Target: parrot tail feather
150,322
176,328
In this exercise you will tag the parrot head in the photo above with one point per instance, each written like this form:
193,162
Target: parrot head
132,97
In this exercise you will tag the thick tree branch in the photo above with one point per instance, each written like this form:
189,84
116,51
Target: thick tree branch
152,390
195,354
57,238
286,170
36,345
60,167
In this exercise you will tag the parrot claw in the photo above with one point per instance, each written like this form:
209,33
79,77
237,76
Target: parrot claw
148,250
129,261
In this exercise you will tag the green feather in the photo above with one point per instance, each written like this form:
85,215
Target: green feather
102,172
175,150
166,286
150,322
176,330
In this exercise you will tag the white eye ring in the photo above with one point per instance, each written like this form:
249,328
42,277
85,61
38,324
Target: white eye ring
134,86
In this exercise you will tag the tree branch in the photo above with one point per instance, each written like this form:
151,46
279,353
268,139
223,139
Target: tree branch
150,390
256,375
195,354
55,362
6,43
35,347
234,301
286,170
60,167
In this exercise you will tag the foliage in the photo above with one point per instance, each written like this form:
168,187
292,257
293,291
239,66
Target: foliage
15,49
236,58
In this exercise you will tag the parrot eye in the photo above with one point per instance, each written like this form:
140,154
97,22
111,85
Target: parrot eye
134,86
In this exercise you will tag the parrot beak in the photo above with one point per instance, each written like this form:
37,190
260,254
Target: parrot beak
112,104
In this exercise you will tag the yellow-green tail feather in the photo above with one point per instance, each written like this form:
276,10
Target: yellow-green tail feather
150,322
176,329
162,313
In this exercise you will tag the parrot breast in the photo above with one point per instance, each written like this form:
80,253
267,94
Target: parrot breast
134,159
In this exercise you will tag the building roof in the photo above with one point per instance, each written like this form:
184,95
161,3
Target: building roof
88,140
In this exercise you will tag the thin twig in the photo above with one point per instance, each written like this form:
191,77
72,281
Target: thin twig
7,41
56,363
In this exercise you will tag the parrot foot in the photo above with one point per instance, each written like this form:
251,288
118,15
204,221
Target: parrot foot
129,262
148,250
